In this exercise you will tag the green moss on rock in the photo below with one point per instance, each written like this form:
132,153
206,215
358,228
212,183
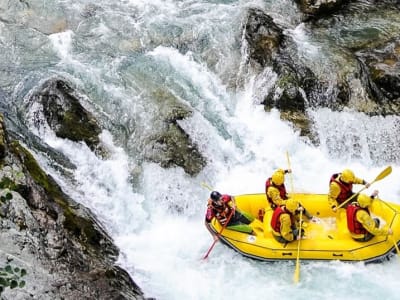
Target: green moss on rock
77,225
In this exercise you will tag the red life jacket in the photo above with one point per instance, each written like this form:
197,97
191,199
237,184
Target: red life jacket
345,188
352,224
222,213
281,188
275,220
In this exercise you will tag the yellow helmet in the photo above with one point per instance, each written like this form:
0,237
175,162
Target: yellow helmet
278,177
364,200
292,205
347,176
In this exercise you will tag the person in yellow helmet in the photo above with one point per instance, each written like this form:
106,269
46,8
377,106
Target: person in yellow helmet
275,188
341,187
276,191
284,225
361,225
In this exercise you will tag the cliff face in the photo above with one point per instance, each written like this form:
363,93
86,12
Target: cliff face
60,244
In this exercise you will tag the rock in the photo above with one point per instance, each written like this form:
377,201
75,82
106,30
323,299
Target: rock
382,68
263,36
319,8
65,251
171,146
64,113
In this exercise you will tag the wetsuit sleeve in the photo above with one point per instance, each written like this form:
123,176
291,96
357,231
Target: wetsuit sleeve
286,231
359,181
334,191
369,224
274,194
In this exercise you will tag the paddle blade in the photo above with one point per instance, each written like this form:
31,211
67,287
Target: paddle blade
384,173
209,250
296,276
206,186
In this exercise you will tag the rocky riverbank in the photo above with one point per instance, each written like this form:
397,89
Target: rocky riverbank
63,248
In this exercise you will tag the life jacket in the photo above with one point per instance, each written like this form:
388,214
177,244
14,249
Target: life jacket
345,188
275,220
352,223
222,213
281,188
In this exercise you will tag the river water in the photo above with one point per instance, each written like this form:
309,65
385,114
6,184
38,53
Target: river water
119,52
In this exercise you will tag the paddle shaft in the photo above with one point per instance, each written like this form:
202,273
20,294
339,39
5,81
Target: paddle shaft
205,185
296,276
219,234
291,177
396,246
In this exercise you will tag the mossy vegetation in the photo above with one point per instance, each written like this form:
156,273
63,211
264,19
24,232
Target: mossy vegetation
2,138
11,277
80,227
79,129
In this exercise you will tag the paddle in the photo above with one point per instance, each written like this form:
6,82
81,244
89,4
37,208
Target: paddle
395,245
381,175
296,275
291,177
219,234
205,185
392,238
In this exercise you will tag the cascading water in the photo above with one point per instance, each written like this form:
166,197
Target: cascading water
118,53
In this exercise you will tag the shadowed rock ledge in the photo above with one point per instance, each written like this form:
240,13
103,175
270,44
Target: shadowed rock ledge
65,251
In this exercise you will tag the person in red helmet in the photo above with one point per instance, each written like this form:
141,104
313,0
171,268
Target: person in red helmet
361,225
222,207
341,188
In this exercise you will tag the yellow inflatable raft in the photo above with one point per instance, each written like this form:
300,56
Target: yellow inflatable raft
326,239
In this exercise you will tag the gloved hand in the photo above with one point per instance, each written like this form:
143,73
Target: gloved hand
315,220
374,194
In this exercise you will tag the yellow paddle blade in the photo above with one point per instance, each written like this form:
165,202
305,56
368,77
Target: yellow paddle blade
296,276
205,185
384,173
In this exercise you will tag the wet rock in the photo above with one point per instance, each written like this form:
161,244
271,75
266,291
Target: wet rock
63,248
263,36
64,113
319,8
3,141
382,67
171,146
296,87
